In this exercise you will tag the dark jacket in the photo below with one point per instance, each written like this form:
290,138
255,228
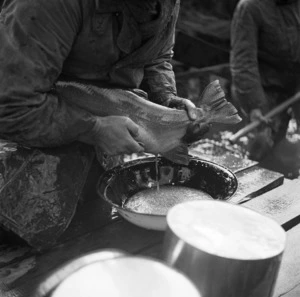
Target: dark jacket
97,40
42,41
265,54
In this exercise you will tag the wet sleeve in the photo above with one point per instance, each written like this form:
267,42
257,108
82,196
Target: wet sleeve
36,37
159,77
246,82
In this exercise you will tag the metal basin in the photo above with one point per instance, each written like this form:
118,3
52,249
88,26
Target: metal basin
225,249
118,185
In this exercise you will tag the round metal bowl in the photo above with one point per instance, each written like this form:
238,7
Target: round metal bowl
119,184
110,272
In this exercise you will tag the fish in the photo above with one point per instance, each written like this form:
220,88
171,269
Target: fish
162,130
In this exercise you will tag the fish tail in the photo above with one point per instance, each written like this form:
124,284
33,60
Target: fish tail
217,108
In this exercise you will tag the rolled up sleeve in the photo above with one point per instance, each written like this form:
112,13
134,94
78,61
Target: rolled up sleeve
246,81
36,36
159,76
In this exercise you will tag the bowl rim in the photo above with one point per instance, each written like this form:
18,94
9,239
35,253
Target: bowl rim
149,159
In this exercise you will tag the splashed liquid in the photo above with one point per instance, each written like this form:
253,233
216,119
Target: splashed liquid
150,201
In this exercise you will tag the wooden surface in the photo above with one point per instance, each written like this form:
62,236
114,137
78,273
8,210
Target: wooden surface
96,226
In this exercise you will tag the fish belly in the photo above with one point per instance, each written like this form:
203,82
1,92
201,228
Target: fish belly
160,129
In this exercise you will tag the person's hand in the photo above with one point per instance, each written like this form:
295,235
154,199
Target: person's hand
260,144
114,135
195,131
256,115
182,103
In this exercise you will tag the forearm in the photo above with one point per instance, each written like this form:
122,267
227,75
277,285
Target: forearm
36,37
248,91
161,86
52,122
159,77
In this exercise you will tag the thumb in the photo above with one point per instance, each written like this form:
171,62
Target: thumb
191,109
133,128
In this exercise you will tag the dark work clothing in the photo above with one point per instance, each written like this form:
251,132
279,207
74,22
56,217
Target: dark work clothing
96,40
260,28
265,58
111,43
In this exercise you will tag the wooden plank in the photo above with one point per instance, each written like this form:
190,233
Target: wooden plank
288,282
294,292
90,215
281,204
254,182
154,251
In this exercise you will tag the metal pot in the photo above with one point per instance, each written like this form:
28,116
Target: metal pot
119,184
226,250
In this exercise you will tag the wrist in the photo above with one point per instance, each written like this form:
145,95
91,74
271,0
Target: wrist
162,98
89,136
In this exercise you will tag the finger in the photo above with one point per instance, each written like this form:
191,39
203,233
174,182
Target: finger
132,127
266,120
133,146
191,109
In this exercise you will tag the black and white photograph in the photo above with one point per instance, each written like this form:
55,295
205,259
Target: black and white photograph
149,148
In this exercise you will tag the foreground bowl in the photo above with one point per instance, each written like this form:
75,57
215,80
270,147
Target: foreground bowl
115,273
119,184
225,249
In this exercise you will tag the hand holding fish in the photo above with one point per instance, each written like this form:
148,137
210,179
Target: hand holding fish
200,128
114,135
161,130
186,104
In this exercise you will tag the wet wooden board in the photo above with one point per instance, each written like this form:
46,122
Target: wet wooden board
281,204
254,182
288,282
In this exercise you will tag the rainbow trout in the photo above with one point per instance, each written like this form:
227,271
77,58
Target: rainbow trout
162,130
